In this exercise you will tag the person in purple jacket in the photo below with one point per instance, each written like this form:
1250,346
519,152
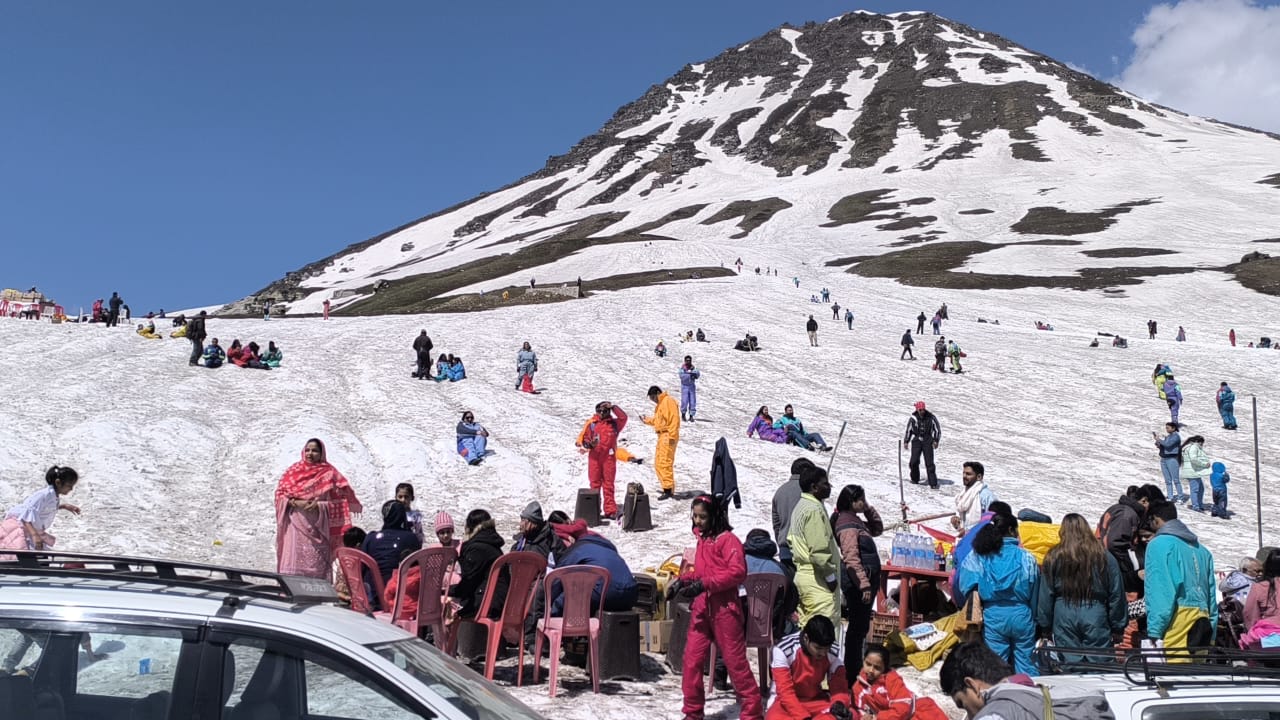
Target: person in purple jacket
762,425
688,388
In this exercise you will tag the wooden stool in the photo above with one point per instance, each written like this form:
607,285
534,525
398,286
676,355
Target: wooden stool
620,645
588,507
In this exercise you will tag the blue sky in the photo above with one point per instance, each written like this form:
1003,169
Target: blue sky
189,153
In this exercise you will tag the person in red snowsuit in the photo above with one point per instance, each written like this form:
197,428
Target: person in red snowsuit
719,567
881,694
599,437
800,664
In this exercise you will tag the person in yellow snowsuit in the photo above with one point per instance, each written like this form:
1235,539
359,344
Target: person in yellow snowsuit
814,549
666,422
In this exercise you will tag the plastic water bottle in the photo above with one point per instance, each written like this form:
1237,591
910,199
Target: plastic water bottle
915,551
899,550
922,559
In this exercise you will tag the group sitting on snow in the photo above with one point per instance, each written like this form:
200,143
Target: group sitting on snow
245,356
748,343
786,429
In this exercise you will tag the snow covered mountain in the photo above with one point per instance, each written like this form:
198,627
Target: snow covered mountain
903,146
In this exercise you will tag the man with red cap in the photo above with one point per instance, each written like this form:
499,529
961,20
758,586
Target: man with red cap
923,434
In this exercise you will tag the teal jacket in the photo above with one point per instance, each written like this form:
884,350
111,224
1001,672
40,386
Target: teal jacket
1179,574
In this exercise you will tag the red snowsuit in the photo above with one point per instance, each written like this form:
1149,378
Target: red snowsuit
601,440
797,682
889,699
717,616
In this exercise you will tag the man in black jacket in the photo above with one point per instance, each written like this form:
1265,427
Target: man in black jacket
811,327
907,342
920,323
113,319
422,350
924,432
196,334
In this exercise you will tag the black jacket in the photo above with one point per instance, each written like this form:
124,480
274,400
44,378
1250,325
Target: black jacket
923,428
477,556
423,341
812,325
724,475
907,340
195,329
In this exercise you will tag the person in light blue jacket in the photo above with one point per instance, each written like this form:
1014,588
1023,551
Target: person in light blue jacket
688,388
456,370
1170,447
526,366
472,439
1007,580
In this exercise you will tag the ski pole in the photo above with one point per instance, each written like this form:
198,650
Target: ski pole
902,493
836,449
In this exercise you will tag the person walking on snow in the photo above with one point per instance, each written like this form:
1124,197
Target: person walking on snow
920,323
907,342
326,309
196,334
1226,400
1232,337
716,613
835,311
526,366
796,280
936,323
1151,329
940,355
811,327
924,432
953,350
599,438
1172,395
665,421
848,318
942,312
1182,335
688,389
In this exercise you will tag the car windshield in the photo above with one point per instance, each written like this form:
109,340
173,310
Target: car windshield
467,690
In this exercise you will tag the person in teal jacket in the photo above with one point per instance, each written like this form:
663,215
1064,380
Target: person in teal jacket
1182,603
1082,602
1007,580
272,357
456,370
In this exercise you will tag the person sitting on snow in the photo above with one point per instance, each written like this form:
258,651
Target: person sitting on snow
214,355
272,357
762,425
701,336
456,370
472,439
442,367
747,343
800,665
660,349
796,434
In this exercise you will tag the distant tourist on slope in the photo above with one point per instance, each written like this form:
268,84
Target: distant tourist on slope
421,343
811,327
1226,399
688,388
113,319
920,323
1151,329
1182,335
940,354
907,342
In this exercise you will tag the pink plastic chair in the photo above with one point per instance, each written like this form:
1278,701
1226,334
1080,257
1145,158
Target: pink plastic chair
433,565
762,590
352,562
524,568
577,583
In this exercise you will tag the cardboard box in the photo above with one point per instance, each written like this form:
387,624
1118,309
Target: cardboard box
655,635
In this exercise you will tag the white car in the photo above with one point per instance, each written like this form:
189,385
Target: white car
88,637
1181,692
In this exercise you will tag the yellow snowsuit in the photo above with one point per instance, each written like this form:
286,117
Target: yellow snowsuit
1158,381
817,558
665,422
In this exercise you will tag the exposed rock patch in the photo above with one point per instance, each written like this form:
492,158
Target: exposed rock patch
480,223
869,205
1272,180
1045,220
683,213
976,211
753,214
1126,252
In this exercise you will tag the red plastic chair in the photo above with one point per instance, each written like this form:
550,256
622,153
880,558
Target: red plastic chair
524,568
433,565
352,563
762,590
577,583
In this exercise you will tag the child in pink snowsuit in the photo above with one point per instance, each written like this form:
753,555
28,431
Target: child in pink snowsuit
719,568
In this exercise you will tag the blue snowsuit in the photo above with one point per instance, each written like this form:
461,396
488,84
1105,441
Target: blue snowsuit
597,551
1170,453
1009,585
214,356
1227,407
457,371
1218,481
689,390
471,444
526,366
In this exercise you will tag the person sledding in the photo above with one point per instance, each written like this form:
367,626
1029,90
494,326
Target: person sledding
796,433
526,366
660,349
472,439
748,343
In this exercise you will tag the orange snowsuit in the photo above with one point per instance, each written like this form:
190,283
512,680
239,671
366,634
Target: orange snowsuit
665,422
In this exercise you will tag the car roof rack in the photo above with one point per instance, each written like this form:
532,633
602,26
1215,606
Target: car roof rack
169,573
1161,666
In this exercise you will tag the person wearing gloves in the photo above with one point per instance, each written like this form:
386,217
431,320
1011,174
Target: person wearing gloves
599,438
665,421
719,568
800,665
814,550
526,366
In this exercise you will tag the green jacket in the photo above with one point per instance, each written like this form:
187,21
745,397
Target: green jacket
810,538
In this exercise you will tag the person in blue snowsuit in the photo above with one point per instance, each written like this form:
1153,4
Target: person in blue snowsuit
1227,406
1172,395
1007,580
688,388
848,318
596,551
526,366
472,439
214,355
1170,447
456,370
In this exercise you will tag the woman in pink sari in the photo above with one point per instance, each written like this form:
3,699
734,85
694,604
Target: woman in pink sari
314,503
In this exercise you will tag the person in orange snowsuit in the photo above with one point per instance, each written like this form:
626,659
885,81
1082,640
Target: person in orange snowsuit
800,664
879,692
666,423
599,438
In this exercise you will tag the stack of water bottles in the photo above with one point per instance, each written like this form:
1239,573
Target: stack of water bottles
914,551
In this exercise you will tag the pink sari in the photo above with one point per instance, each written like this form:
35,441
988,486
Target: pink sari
306,539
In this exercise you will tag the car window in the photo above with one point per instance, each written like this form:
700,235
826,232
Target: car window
20,651
453,682
1241,710
267,674
115,662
